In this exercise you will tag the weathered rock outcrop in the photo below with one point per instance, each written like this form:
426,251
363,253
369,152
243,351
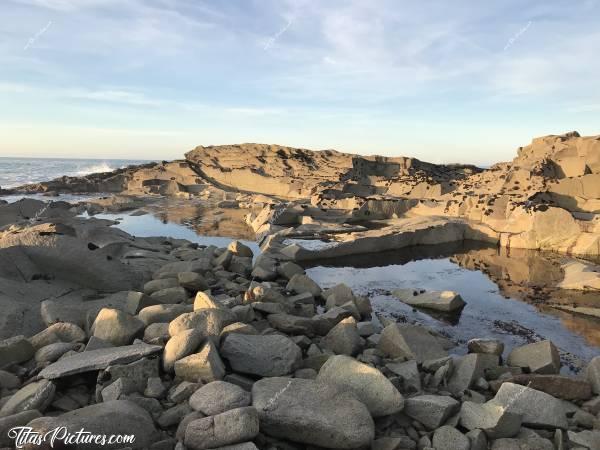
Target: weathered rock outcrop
269,169
166,178
545,199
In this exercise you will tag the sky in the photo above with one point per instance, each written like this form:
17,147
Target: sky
460,81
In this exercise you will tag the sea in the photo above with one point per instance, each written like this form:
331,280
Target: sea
18,171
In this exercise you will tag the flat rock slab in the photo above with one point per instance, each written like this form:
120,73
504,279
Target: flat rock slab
445,301
98,360
431,410
490,417
311,412
567,388
538,409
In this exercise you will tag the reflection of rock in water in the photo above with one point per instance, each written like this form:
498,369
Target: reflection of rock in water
451,318
584,325
204,218
497,286
515,267
533,277
402,256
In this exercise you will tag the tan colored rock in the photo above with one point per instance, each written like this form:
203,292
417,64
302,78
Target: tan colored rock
180,346
117,327
368,384
205,366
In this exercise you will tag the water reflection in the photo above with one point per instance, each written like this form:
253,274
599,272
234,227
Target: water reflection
198,222
507,293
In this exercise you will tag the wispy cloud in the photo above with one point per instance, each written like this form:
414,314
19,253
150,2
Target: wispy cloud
326,62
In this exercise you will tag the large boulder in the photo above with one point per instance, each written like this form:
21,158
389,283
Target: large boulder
263,355
52,352
311,412
538,409
231,427
559,386
431,410
367,383
290,324
180,346
539,357
116,417
218,397
58,332
343,339
449,438
411,342
490,417
117,327
205,366
192,281
470,368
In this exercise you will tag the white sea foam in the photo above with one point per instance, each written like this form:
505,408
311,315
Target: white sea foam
97,168
18,171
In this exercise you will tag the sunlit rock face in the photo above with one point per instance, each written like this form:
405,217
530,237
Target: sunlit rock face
269,169
545,199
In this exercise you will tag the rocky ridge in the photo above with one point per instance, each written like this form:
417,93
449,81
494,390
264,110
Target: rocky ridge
547,198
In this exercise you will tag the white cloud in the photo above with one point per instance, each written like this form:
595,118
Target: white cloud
345,61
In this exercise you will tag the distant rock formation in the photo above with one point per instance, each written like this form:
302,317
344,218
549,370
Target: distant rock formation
547,198
166,178
269,169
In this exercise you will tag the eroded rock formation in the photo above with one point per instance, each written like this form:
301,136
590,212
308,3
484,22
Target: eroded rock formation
545,199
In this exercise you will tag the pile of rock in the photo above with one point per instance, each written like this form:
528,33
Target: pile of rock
222,349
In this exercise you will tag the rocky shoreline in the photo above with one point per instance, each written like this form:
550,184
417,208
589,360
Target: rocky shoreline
201,347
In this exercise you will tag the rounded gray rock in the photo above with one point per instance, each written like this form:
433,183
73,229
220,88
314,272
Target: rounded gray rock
264,355
449,438
231,427
219,396
311,412
367,383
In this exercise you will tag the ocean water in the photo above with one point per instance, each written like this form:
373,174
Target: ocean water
18,171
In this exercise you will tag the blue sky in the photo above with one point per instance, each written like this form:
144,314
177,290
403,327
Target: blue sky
460,81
